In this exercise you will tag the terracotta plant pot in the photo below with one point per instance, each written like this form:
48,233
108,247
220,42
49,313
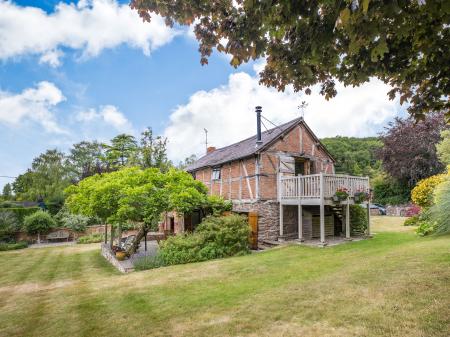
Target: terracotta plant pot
121,256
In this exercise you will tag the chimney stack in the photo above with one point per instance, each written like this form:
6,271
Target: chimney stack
210,149
258,110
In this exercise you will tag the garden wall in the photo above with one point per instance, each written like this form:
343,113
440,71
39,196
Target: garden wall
402,210
98,229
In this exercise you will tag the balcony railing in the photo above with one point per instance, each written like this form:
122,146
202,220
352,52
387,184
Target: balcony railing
310,186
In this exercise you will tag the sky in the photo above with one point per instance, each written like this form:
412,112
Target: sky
91,69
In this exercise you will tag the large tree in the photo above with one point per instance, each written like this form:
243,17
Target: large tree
86,159
154,151
46,179
133,194
123,151
409,149
7,192
404,43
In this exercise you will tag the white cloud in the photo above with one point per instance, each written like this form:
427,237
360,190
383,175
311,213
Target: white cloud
52,58
108,115
89,26
228,113
32,104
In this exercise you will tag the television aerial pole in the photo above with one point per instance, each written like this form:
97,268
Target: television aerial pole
206,139
302,108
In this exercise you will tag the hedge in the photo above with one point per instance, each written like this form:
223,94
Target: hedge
20,213
13,246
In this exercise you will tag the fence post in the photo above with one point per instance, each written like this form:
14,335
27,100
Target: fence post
322,210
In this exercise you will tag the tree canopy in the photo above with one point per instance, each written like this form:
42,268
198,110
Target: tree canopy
51,172
403,43
46,179
135,194
409,149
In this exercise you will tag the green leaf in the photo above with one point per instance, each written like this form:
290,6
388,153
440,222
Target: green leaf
345,16
379,51
365,6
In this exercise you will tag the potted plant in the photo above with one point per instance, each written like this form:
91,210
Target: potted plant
341,194
360,196
119,252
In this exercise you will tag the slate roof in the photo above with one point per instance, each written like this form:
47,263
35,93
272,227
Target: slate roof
247,147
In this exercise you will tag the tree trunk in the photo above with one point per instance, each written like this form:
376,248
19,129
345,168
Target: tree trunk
119,234
111,238
136,241
39,238
145,238
106,233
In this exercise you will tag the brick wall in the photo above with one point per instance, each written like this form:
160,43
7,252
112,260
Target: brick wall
239,178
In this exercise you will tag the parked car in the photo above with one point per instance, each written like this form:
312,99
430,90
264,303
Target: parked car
376,209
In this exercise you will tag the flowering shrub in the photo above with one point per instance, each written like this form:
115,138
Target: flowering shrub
422,194
412,210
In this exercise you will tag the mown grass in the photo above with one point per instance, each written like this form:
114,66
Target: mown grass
395,284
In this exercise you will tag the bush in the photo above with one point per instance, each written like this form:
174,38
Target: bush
217,205
440,211
13,246
20,212
9,225
425,228
91,238
358,220
412,221
215,237
422,194
181,249
39,223
148,262
224,236
388,191
9,204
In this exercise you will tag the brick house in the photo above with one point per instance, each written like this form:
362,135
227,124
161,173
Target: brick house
286,176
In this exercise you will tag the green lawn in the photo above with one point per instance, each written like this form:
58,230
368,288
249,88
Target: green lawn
395,284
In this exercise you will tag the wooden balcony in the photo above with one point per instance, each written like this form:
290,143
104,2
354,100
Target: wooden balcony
318,189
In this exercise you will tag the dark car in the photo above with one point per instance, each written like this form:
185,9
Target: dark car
376,208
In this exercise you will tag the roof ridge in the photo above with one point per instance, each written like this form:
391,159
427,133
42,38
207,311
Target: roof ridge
243,148
254,136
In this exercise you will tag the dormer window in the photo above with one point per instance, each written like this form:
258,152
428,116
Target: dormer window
216,173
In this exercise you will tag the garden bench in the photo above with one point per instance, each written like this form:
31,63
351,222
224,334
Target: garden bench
58,235
127,242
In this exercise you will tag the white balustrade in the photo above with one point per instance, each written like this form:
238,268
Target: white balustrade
308,186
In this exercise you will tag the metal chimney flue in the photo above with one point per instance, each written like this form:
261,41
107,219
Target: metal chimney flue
258,110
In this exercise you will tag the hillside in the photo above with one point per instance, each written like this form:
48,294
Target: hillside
354,156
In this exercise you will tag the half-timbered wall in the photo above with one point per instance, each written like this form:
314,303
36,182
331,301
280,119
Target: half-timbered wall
255,178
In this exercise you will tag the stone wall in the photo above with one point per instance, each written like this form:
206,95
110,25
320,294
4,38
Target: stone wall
97,229
268,220
268,217
402,210
122,266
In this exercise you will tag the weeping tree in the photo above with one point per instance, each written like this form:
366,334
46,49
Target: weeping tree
136,195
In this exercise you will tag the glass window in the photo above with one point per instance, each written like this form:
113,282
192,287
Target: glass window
216,174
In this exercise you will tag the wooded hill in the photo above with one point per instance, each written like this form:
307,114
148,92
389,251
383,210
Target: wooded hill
355,156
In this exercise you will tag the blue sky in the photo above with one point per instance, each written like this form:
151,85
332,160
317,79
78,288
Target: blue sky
92,70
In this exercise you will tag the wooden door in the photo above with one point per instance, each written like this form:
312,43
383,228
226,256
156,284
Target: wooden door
253,222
